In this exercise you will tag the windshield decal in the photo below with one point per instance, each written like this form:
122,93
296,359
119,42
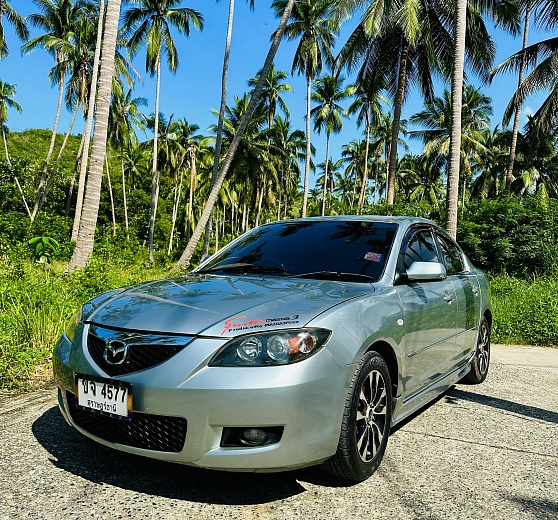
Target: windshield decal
243,323
373,257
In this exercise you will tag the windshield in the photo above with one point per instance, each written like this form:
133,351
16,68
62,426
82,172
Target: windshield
347,250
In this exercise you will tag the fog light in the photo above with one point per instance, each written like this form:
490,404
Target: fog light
253,437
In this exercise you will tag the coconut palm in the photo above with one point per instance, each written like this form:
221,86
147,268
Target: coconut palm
7,92
420,36
314,25
57,18
125,116
16,21
86,234
222,107
254,98
290,146
437,120
149,25
367,104
328,93
423,178
271,97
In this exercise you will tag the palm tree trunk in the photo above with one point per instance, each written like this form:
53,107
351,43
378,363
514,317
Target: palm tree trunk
193,177
325,176
6,147
515,131
111,197
88,123
154,169
365,174
308,146
77,166
204,217
175,204
219,137
86,234
456,103
124,197
397,107
44,174
59,157
22,196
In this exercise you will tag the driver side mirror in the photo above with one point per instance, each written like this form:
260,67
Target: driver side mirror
426,271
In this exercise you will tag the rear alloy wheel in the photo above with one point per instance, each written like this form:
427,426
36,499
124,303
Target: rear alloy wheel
481,360
366,422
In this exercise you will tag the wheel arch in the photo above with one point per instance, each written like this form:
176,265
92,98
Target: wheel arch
386,351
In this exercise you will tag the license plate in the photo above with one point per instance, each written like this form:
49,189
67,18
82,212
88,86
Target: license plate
104,396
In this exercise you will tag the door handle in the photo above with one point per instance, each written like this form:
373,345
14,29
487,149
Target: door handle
475,290
448,297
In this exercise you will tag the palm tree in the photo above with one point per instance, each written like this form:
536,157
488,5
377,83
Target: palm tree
57,18
423,178
149,25
355,157
86,235
254,98
271,97
222,107
290,146
367,105
329,92
420,35
124,117
437,118
314,26
7,92
541,57
17,22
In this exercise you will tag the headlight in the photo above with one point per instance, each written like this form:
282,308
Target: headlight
85,311
271,348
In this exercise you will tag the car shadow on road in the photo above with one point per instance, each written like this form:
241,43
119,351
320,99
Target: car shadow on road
72,452
502,404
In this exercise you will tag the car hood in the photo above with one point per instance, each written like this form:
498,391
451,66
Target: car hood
222,305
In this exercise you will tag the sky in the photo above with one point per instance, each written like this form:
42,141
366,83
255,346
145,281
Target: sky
195,89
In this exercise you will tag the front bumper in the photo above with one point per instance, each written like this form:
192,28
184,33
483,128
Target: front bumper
305,399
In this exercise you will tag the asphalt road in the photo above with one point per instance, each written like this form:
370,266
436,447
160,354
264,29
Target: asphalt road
479,452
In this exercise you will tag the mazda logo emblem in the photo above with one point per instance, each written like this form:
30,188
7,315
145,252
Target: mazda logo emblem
115,352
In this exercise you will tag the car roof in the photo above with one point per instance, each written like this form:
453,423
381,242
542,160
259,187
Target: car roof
402,220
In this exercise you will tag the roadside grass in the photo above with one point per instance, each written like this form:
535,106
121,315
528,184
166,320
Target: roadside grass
525,311
36,301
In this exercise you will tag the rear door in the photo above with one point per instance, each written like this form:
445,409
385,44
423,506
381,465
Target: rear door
467,295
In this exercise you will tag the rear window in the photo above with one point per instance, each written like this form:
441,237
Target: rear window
312,249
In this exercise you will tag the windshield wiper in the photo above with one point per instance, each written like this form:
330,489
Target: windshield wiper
335,275
244,267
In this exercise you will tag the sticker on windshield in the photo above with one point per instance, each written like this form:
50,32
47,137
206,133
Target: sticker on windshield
373,257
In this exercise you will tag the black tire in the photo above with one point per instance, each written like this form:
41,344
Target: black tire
366,422
481,360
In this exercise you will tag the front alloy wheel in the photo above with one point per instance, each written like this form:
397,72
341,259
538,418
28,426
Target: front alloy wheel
366,421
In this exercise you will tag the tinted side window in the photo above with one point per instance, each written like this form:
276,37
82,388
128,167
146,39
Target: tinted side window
420,248
451,256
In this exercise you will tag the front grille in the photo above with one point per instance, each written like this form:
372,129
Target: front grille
143,350
149,432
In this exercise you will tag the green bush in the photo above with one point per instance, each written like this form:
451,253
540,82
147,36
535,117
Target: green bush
525,312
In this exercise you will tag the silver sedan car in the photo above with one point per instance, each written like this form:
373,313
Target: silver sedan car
301,342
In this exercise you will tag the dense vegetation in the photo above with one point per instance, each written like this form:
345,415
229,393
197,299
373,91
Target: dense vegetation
514,239
147,200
